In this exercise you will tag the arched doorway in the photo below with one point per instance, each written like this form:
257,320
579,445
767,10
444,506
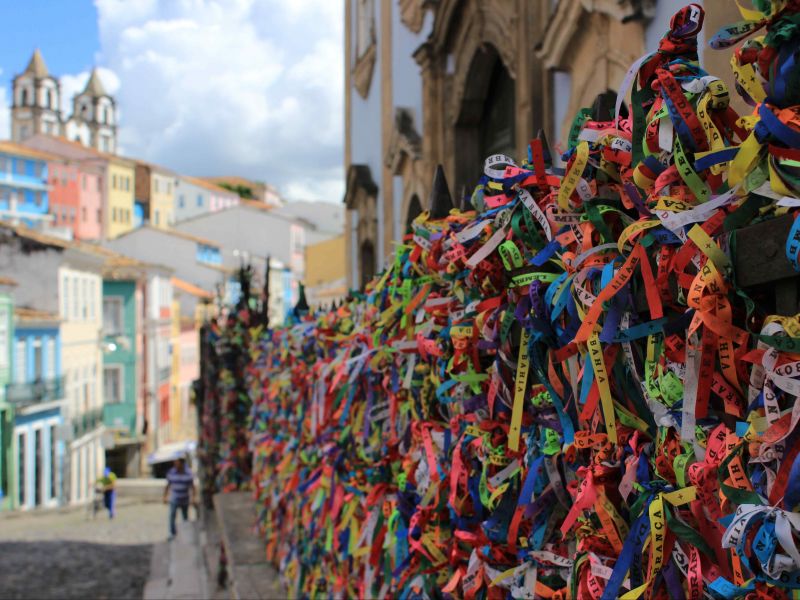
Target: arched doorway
486,119
367,262
414,209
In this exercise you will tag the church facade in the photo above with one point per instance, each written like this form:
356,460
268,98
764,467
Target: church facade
36,109
449,82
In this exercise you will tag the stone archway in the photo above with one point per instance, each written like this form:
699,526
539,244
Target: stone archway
367,262
486,120
413,211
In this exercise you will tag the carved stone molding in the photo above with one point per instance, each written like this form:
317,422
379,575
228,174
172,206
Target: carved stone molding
363,69
412,13
405,141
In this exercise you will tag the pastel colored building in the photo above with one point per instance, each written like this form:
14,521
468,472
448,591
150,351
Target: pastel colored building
24,190
120,176
155,194
6,410
76,199
194,196
37,395
326,271
247,189
116,177
63,277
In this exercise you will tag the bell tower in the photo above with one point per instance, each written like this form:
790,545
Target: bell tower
35,102
94,117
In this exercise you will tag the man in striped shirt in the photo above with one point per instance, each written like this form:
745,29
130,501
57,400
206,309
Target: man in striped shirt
180,489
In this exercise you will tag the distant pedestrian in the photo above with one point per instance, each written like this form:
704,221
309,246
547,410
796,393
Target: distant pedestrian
106,485
180,492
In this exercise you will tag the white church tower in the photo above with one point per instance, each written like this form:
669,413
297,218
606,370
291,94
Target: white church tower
35,106
94,117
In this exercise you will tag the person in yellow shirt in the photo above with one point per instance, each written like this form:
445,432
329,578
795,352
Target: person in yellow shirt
106,484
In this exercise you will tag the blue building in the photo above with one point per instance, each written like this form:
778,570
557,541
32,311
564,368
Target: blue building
37,395
23,185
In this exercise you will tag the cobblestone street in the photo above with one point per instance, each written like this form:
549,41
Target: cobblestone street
67,555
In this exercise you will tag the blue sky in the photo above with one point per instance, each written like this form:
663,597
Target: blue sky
205,87
65,31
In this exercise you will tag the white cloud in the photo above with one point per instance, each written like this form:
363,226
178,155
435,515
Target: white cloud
220,87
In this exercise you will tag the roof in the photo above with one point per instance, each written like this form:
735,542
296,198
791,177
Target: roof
161,169
20,150
85,149
36,236
220,268
94,87
190,288
7,281
236,180
36,66
172,232
23,313
208,185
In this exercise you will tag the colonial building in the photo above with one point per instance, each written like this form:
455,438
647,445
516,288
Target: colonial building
24,190
112,174
59,277
38,398
450,82
155,195
36,109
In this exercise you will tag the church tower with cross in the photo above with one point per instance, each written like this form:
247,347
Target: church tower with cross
36,109
35,101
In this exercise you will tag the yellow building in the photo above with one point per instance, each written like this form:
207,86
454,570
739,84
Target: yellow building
155,193
120,176
326,271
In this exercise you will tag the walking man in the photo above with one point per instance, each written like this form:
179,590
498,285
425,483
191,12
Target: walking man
180,491
106,485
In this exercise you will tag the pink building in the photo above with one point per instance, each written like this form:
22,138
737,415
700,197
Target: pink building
76,198
90,224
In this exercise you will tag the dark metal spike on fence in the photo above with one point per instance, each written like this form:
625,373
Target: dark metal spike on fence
441,202
546,154
265,300
302,304
466,205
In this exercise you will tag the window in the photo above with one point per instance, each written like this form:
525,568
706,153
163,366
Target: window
21,454
64,296
83,182
83,214
53,462
114,182
114,214
99,216
365,35
92,298
99,184
112,385
38,360
74,298
24,97
85,298
156,218
112,315
199,200
50,358
20,362
38,463
181,201
155,185
4,356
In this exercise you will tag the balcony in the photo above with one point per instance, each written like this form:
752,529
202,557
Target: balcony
86,422
35,392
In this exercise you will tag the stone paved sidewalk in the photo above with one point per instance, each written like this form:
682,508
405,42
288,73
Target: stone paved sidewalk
58,554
